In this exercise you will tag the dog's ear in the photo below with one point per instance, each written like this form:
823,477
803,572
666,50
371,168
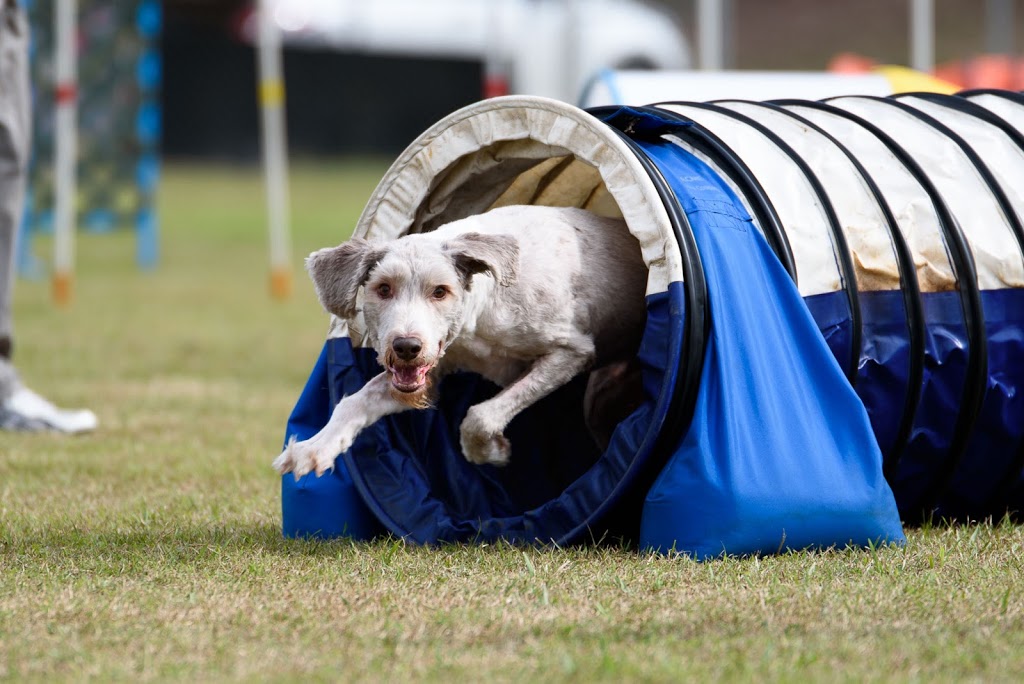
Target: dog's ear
474,253
337,273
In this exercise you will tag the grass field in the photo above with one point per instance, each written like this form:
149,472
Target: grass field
151,549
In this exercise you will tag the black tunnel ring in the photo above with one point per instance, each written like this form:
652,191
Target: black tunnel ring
909,287
965,272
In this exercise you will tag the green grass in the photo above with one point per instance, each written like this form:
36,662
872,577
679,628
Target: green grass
151,549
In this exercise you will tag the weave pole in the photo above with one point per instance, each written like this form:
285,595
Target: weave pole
495,65
65,150
710,31
922,35
275,156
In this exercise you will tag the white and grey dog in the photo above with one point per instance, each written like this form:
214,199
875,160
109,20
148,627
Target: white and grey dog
526,296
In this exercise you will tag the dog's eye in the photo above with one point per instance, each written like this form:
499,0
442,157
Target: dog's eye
384,291
440,292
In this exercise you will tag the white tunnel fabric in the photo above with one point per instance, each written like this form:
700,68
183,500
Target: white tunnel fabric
996,253
1003,157
1009,111
792,195
860,217
471,161
913,210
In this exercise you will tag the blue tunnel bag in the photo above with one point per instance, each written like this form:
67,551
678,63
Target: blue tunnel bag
829,347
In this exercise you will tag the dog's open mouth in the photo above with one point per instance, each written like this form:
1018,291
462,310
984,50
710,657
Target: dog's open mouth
409,378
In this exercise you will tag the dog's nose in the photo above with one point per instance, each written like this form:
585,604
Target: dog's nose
407,348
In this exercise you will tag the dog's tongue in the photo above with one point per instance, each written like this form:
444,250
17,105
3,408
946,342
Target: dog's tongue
409,376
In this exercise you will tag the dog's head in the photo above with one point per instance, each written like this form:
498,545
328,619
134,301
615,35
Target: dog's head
415,293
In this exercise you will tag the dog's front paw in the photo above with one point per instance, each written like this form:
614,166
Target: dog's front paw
482,443
296,458
285,462
304,457
324,460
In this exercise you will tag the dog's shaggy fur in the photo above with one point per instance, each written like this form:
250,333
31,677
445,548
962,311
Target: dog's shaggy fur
528,297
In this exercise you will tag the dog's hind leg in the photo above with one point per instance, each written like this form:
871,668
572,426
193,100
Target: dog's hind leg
350,416
482,440
613,393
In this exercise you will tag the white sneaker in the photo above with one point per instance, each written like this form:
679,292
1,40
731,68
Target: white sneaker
27,410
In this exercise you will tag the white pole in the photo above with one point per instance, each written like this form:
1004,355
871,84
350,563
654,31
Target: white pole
922,35
275,155
710,27
65,150
495,65
572,57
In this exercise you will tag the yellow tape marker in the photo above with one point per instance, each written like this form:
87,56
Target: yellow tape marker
906,80
271,93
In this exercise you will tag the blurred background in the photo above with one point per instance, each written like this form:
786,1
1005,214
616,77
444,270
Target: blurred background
367,76
177,222
175,82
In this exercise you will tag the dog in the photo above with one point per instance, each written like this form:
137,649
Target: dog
526,296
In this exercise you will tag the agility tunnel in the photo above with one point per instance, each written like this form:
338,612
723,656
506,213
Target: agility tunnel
834,339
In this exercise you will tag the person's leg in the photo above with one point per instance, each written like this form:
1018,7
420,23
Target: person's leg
15,137
20,407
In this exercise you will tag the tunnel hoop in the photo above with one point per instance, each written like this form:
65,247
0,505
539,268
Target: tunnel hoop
558,129
962,103
1010,95
972,155
841,248
721,154
697,307
968,106
962,262
909,286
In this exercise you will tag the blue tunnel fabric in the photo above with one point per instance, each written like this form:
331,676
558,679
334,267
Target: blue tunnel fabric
987,468
999,433
945,372
410,473
327,506
883,373
780,453
882,383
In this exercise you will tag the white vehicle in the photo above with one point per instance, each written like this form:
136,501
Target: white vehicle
540,47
